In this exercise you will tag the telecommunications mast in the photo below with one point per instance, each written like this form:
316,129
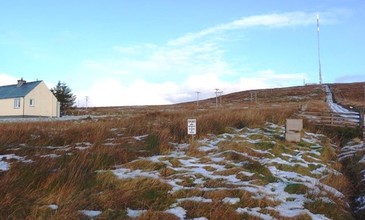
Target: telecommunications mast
319,52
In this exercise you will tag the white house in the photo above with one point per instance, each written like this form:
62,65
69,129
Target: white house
28,99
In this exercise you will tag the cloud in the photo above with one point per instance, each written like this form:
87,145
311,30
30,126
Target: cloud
6,79
148,73
111,92
159,62
266,20
350,78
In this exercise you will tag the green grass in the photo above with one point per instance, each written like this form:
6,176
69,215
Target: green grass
261,172
265,145
296,188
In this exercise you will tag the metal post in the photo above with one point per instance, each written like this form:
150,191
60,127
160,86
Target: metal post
362,118
364,97
361,123
216,98
197,98
86,100
220,97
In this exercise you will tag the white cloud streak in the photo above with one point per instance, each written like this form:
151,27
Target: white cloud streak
269,20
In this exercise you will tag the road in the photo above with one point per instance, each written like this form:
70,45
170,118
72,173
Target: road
338,108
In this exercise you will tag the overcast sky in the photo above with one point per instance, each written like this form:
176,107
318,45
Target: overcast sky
146,52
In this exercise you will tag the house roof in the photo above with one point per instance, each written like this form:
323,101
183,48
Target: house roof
13,91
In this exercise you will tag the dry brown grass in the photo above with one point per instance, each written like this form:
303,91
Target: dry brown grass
218,195
214,210
339,182
137,193
184,193
72,181
330,210
145,165
156,215
349,94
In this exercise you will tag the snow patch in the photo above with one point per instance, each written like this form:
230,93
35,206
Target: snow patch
215,167
123,173
51,155
5,166
91,213
254,212
141,137
230,200
178,211
53,206
135,213
195,199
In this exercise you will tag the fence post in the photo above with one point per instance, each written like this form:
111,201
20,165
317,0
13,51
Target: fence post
361,117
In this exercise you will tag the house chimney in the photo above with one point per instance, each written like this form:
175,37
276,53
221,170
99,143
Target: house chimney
21,82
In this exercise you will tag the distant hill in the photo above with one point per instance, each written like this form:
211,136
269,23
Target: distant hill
349,93
344,93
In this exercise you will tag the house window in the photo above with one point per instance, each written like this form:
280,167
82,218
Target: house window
17,103
31,102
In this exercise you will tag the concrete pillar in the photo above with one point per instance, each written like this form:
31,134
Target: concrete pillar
293,130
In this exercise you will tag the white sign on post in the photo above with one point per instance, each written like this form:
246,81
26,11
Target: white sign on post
192,126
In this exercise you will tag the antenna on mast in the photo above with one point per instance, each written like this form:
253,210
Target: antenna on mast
319,52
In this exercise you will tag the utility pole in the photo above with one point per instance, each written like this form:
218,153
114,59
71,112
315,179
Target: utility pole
254,96
364,96
197,98
216,97
220,97
319,52
86,100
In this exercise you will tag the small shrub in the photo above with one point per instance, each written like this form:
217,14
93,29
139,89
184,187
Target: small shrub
343,134
261,172
296,188
265,145
330,210
234,156
152,143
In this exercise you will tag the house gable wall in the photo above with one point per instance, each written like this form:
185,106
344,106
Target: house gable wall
44,104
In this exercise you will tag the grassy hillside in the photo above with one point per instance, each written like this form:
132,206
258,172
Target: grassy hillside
349,94
126,162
